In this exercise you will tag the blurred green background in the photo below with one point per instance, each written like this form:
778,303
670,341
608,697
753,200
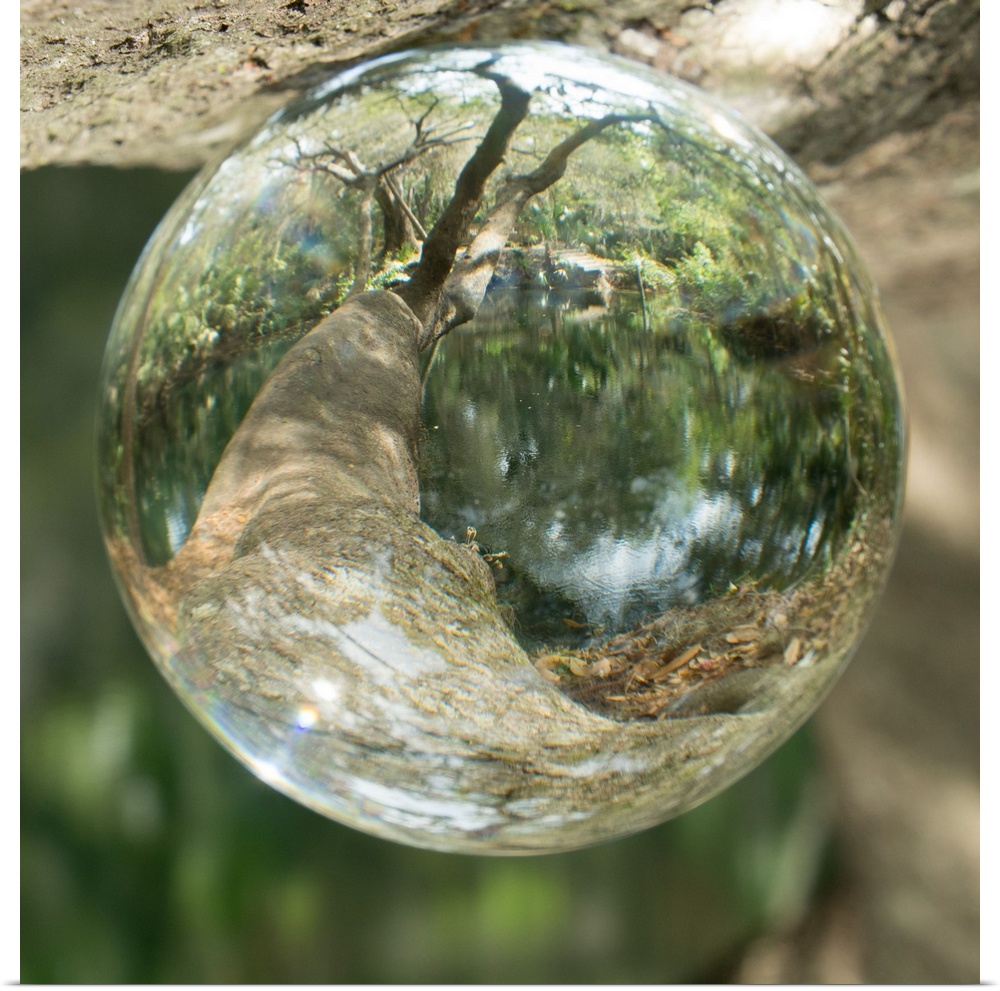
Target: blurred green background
149,855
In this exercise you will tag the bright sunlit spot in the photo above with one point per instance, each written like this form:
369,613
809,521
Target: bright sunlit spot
326,691
795,29
649,424
307,717
268,772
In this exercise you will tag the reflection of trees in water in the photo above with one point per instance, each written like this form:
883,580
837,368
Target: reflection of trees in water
308,563
628,471
698,216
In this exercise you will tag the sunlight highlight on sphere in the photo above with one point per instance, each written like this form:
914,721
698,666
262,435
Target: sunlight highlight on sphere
501,451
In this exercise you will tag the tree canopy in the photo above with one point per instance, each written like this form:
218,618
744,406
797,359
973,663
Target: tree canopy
717,444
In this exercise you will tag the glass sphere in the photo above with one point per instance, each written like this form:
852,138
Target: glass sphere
501,451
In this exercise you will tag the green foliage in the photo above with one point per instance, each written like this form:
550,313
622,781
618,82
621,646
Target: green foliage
567,438
711,285
242,295
393,270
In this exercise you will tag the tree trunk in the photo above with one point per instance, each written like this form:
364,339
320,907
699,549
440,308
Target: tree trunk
103,82
310,566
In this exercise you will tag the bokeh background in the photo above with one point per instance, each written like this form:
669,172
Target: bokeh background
149,855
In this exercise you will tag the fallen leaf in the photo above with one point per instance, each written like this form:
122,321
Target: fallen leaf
549,661
743,634
679,661
793,650
644,669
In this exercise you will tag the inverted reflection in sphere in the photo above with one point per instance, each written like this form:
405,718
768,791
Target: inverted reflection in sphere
501,451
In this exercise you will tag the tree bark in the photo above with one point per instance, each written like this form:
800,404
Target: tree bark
103,83
309,565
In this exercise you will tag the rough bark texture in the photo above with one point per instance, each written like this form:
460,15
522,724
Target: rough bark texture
900,732
171,85
309,564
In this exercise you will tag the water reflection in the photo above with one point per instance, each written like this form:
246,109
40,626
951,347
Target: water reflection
626,470
675,469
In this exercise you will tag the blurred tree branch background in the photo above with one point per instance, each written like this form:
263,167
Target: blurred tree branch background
149,855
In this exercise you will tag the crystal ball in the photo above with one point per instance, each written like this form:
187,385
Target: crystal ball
501,451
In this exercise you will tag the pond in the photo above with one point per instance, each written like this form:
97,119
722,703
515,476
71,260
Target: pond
620,457
625,469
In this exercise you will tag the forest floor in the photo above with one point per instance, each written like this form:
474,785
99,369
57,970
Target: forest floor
680,663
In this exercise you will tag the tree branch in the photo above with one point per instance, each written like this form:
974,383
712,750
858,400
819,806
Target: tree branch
397,191
466,285
423,290
363,266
